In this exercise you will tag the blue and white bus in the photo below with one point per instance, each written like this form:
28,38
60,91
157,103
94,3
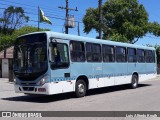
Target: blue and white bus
52,63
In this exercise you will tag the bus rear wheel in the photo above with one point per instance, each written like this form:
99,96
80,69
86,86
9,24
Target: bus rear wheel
81,88
134,83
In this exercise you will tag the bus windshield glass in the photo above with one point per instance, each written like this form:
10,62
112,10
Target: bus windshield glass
30,55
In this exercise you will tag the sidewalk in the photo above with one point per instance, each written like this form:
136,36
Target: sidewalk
7,89
5,79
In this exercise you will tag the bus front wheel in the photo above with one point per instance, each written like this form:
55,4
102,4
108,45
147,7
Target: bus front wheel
134,83
81,88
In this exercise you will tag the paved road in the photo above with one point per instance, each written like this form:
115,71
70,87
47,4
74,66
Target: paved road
120,98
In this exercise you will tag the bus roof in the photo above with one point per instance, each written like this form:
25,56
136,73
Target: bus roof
87,39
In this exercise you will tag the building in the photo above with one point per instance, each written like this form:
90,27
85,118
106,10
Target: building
6,62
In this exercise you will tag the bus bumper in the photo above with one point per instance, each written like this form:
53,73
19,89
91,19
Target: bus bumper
32,89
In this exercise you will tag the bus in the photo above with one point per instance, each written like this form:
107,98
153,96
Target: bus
52,63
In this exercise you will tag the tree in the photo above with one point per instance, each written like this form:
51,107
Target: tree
9,39
122,20
154,28
13,18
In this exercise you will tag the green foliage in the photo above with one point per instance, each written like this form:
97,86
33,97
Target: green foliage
13,18
124,20
154,28
119,38
8,39
90,20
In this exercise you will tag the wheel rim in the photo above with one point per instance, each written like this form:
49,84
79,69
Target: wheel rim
81,88
134,82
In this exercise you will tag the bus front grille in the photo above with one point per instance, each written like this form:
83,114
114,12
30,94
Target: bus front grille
28,84
28,88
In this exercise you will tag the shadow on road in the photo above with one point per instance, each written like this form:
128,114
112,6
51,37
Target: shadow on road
113,89
66,96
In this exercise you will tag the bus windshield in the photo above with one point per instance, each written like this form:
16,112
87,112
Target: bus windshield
30,55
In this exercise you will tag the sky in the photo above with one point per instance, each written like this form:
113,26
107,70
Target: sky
57,15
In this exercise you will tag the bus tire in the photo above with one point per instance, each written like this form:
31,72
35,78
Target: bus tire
81,88
134,82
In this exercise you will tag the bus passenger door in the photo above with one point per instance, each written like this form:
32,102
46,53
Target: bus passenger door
60,67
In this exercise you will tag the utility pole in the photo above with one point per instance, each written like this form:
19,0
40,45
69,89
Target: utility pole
100,18
67,9
66,27
78,30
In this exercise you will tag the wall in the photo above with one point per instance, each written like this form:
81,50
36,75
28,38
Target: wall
6,59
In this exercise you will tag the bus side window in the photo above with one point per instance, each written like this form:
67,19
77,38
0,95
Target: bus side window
55,54
77,51
140,56
59,57
96,53
120,54
153,54
108,53
149,56
93,52
89,52
132,55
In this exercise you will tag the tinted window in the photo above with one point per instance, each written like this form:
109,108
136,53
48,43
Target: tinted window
77,51
108,53
30,39
140,55
154,57
150,57
59,55
93,52
132,55
30,54
120,54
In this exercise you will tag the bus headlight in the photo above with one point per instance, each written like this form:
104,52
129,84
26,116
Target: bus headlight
14,80
43,80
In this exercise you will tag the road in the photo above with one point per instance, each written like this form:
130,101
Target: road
119,98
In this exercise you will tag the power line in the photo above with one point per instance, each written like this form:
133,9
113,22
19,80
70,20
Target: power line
32,7
16,3
50,14
46,8
29,8
23,4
